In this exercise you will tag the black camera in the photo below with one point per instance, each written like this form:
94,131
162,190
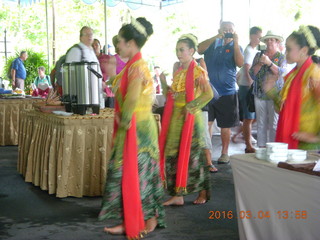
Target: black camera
262,48
228,35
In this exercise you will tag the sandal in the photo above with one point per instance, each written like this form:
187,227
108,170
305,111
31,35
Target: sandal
249,150
212,168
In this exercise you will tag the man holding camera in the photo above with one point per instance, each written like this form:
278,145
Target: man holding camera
223,55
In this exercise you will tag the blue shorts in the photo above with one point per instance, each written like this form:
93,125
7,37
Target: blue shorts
243,91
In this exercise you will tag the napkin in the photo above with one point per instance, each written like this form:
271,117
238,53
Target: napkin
317,167
302,167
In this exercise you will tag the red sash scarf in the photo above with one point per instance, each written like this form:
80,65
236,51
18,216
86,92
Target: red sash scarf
132,206
289,118
186,135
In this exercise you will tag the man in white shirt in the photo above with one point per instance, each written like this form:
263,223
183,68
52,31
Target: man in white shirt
245,81
84,51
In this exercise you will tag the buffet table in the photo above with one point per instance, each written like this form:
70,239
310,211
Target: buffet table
9,118
274,203
65,155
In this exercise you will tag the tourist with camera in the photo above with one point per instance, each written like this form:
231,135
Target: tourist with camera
269,61
223,54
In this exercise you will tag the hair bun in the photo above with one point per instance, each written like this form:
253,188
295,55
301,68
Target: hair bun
147,25
192,37
316,34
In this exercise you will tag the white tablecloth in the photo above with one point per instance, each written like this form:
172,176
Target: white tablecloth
291,199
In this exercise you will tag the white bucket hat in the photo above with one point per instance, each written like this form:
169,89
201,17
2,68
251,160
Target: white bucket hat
270,34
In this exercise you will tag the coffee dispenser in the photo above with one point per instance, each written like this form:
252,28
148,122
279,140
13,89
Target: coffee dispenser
81,87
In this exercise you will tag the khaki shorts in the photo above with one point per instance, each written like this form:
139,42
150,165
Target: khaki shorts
20,83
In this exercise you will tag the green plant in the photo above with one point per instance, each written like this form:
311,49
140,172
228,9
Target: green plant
35,60
6,67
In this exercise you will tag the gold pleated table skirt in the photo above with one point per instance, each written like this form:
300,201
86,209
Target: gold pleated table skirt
9,118
65,155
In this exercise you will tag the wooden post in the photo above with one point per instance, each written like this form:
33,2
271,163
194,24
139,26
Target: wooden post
53,35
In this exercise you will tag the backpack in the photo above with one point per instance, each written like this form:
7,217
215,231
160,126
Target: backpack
250,100
61,61
38,78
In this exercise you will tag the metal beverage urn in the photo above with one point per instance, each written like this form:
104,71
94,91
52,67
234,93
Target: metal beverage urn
88,87
82,87
66,97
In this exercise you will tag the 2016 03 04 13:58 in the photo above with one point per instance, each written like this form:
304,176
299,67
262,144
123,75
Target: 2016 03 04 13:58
261,214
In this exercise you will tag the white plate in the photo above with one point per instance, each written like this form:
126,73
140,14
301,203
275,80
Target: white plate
62,113
15,97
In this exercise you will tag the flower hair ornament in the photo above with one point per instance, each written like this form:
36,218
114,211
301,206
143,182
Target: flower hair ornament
191,37
138,26
308,35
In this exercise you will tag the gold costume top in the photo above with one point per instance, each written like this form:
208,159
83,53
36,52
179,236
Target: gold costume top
179,80
140,93
203,92
202,95
138,100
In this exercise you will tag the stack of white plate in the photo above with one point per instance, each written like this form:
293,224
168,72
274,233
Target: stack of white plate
261,153
277,152
296,155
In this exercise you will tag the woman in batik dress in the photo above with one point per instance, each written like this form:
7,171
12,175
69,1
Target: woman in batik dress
134,190
182,158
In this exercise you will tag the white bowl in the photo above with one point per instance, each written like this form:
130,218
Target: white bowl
276,159
297,155
279,153
278,145
261,153
261,150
